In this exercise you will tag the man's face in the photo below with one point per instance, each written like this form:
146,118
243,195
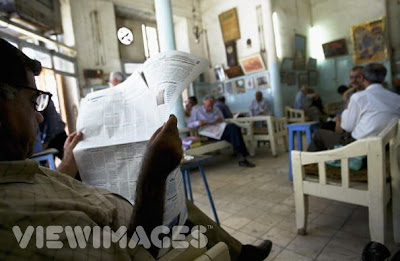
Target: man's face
259,96
208,105
356,79
19,122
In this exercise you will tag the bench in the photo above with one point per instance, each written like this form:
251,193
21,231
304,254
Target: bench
270,129
375,194
294,115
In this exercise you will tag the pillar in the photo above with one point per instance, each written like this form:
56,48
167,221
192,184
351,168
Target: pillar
273,62
165,28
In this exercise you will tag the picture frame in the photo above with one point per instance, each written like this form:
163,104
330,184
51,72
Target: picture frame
300,43
302,79
252,63
312,64
219,73
229,23
369,42
287,64
240,86
249,84
335,48
262,81
230,87
312,78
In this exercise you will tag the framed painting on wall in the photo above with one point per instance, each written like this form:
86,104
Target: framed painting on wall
369,42
240,86
335,48
287,64
303,79
262,81
313,78
300,52
230,88
229,25
253,63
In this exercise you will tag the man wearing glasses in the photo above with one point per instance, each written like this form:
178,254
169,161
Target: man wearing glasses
39,197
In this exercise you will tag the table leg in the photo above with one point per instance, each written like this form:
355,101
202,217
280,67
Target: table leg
308,134
210,199
299,140
291,146
189,185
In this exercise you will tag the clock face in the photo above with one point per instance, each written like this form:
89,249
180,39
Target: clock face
125,36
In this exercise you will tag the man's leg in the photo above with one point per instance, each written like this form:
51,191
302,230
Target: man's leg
214,234
233,135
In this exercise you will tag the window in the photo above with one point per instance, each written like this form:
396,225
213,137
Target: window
150,41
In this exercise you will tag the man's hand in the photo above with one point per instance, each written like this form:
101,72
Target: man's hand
164,152
219,120
68,164
202,123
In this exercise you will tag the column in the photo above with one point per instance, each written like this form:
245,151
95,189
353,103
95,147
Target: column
273,62
165,27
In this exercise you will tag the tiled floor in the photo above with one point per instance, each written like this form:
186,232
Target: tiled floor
257,203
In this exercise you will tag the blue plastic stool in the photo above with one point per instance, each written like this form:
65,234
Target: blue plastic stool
298,129
197,162
46,155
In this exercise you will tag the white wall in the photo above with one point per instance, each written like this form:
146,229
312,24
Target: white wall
96,44
294,18
333,19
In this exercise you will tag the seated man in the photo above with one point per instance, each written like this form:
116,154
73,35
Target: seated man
307,100
368,112
208,114
35,198
259,106
226,112
116,78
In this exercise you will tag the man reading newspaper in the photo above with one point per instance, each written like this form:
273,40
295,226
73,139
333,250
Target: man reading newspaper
47,214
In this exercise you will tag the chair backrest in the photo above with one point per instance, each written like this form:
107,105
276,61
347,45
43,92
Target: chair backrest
294,115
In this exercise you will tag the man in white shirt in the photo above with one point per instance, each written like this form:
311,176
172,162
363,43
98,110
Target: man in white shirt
259,106
368,112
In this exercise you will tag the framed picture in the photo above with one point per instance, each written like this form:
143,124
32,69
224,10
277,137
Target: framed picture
249,84
253,63
302,79
312,64
287,64
289,78
313,78
219,73
300,52
230,88
369,42
335,48
218,90
262,81
240,86
229,25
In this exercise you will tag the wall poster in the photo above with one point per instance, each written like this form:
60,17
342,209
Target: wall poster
229,25
369,42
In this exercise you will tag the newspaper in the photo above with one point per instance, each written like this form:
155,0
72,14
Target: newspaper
118,122
214,131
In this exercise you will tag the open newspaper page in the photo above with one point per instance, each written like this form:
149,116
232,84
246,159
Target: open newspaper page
118,122
214,131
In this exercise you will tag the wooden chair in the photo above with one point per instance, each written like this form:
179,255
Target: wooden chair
375,194
294,115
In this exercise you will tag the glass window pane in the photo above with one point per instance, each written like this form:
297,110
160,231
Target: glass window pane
63,65
43,58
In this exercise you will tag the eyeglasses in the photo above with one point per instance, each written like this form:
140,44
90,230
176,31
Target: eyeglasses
42,100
